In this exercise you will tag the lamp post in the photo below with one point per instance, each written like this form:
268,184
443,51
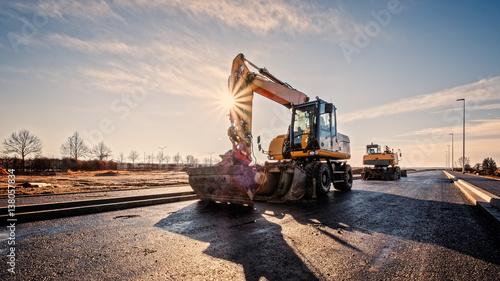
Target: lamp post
161,155
463,155
452,160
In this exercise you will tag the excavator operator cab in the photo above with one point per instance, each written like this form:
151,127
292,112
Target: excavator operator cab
373,149
313,126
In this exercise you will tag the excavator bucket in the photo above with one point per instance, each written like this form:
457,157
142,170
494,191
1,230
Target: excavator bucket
226,182
237,183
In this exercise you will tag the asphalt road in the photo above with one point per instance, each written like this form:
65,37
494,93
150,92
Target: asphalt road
418,228
490,185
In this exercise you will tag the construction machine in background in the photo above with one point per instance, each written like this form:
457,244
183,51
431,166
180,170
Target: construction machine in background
381,164
303,162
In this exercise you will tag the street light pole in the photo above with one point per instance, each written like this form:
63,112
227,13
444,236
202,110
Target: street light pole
463,153
452,160
161,156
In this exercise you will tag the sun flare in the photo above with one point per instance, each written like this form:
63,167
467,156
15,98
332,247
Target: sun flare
227,102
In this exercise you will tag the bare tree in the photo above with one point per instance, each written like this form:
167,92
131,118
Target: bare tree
74,147
133,156
101,151
190,160
467,163
160,157
167,158
23,143
177,158
121,157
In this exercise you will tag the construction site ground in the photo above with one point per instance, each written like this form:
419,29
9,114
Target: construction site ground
76,182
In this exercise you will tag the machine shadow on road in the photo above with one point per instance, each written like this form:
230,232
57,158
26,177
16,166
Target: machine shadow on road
240,235
245,236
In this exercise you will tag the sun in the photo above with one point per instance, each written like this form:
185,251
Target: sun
227,101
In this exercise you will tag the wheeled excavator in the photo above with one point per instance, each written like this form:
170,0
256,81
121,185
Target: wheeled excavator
303,162
381,164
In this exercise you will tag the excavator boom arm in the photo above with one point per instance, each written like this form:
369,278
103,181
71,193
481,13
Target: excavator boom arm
264,84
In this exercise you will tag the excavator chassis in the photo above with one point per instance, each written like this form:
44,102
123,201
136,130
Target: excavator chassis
382,173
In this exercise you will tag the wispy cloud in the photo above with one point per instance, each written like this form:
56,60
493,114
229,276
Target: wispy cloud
112,46
485,107
173,68
481,91
79,109
262,17
87,10
259,17
474,128
490,106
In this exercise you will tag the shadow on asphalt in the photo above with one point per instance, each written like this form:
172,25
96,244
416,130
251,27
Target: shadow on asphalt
243,235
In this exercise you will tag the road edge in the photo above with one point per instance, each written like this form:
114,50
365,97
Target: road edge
488,203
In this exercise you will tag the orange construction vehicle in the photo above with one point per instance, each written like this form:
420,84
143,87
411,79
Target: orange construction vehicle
303,162
381,164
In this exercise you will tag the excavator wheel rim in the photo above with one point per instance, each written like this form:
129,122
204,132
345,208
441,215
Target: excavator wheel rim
323,178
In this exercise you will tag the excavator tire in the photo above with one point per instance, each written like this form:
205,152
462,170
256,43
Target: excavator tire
388,177
390,174
347,184
366,173
323,178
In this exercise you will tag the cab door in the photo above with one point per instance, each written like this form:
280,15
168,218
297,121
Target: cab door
325,126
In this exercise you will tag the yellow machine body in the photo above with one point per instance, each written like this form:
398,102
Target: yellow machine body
381,163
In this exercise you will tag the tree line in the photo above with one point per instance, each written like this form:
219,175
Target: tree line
26,149
487,167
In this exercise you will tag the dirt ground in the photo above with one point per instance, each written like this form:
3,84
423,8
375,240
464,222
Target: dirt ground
70,182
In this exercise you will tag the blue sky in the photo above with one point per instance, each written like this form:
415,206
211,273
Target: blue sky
148,74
